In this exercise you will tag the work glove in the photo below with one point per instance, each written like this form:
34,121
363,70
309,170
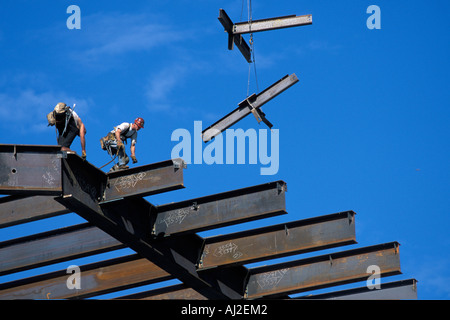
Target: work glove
134,159
83,155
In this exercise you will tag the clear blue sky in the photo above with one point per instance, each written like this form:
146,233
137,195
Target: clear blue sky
365,129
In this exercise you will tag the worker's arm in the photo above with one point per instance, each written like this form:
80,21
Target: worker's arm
119,141
133,152
82,137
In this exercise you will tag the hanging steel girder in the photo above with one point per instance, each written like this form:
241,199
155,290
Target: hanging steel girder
272,24
245,107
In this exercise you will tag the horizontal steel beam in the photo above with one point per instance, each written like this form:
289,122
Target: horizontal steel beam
397,290
95,279
272,24
18,209
54,246
323,271
280,240
36,170
175,292
32,170
221,209
246,106
145,180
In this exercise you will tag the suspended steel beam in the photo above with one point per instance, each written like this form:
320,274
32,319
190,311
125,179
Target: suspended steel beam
279,240
32,170
145,180
221,209
397,290
95,279
237,40
272,24
18,209
54,246
323,271
246,107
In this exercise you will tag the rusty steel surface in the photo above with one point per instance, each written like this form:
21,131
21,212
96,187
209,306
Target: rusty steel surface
54,246
97,278
17,209
397,290
164,236
280,240
323,271
145,180
175,292
221,209
27,169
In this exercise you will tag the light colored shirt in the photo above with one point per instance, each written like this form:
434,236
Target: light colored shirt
126,132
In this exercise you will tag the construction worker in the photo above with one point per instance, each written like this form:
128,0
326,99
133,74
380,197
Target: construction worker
114,142
68,125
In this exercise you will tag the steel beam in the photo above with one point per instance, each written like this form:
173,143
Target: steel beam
323,271
397,290
145,180
272,24
256,101
54,246
18,209
95,279
279,240
221,209
175,292
237,40
128,220
32,170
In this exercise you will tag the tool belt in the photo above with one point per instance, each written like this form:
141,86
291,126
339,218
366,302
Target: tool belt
109,137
